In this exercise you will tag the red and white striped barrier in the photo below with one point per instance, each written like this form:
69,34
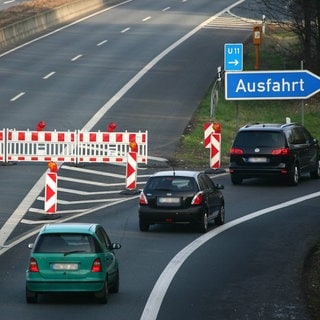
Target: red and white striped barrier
2,146
131,174
40,146
215,150
50,205
71,146
110,146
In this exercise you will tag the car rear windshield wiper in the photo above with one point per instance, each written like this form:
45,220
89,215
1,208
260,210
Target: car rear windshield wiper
73,251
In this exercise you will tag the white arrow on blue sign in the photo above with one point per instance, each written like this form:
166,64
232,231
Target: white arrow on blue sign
233,56
273,85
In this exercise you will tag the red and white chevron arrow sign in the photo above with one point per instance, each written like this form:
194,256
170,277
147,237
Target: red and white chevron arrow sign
50,205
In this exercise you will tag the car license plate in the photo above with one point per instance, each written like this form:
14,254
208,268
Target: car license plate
168,200
65,266
257,159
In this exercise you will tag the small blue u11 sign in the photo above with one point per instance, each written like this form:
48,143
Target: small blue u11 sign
233,57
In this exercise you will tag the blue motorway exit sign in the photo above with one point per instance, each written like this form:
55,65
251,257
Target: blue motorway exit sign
233,57
273,85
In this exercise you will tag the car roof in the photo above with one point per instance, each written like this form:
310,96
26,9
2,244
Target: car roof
267,126
69,228
180,173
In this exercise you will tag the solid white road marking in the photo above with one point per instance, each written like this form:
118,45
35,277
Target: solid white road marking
100,173
83,201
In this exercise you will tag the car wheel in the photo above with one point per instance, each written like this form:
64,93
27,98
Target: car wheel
316,173
203,226
102,296
219,220
144,226
31,296
294,176
235,179
115,287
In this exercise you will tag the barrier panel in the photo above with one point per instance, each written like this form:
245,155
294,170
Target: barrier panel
40,146
70,146
110,146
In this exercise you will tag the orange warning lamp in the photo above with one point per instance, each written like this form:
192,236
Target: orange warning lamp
41,125
52,166
216,127
133,146
112,126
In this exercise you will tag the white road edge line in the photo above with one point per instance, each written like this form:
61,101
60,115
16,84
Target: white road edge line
159,290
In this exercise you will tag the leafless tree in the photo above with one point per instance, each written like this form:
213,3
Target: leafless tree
303,18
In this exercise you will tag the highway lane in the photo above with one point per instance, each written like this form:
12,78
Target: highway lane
98,66
83,73
248,271
252,271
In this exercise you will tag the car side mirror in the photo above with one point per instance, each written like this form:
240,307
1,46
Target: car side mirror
115,246
30,245
219,186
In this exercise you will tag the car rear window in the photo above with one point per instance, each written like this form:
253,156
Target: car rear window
259,139
171,183
51,243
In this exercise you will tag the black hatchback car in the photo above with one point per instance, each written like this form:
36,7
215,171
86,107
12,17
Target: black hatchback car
181,197
274,150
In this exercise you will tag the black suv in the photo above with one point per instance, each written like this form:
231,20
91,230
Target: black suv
271,150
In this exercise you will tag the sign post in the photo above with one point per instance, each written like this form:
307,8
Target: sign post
257,31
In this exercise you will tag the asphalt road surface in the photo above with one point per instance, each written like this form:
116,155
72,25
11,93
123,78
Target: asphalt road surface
146,66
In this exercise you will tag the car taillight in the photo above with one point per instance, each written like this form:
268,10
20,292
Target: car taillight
143,199
281,152
33,266
197,199
96,266
236,151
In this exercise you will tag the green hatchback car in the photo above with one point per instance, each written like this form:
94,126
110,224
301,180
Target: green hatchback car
72,257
